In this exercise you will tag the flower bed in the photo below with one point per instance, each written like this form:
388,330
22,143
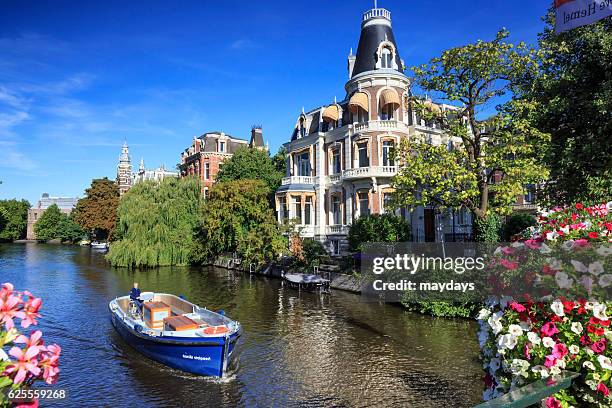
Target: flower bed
567,258
28,358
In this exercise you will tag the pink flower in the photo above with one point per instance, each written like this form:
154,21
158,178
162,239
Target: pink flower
34,340
517,307
507,250
560,350
601,387
508,264
50,363
581,243
26,363
550,361
31,308
532,243
552,402
27,404
549,329
526,351
599,346
9,308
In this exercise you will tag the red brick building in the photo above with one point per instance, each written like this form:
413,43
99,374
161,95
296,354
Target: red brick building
207,152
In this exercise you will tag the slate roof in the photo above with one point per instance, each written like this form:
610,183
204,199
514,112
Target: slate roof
369,40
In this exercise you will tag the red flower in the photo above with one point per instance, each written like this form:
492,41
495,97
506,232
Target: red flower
579,206
574,217
598,331
517,307
601,387
593,235
585,340
547,270
509,265
568,306
599,346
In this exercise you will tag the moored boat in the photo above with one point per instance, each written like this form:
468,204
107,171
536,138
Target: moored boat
99,245
177,333
308,282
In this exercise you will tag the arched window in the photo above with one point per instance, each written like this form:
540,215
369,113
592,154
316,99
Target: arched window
386,58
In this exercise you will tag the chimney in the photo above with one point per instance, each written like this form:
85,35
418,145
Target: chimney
351,63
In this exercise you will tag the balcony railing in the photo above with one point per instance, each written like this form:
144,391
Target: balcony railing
297,180
377,12
336,229
380,125
371,171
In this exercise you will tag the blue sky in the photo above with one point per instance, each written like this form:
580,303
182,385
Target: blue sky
78,78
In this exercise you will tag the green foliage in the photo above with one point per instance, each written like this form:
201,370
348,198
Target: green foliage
313,252
498,155
156,223
573,92
236,217
54,224
280,161
517,223
377,228
3,219
16,213
252,164
441,308
488,229
96,213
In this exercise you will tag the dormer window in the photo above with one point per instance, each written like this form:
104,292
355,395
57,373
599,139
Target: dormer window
386,58
222,147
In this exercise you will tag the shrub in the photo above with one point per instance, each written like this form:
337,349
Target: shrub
517,223
377,228
487,229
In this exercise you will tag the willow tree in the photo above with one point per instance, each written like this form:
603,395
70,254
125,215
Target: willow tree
497,155
156,223
236,217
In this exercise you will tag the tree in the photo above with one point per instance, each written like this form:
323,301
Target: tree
3,219
156,223
573,91
498,155
96,213
16,212
236,217
377,228
54,224
252,164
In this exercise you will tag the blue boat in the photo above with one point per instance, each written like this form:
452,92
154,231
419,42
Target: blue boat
177,333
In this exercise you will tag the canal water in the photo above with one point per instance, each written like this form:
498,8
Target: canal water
298,349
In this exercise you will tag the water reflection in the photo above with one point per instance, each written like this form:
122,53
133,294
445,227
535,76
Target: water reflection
298,349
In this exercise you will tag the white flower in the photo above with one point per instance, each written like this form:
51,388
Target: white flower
534,338
563,280
596,268
517,244
483,337
555,263
507,341
604,362
495,323
545,249
560,364
587,282
515,330
590,352
494,364
526,326
579,266
599,311
539,369
589,365
605,280
548,342
568,245
574,349
557,307
519,367
604,251
555,370
3,356
577,328
551,236
484,314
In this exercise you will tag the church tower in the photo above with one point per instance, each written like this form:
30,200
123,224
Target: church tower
124,170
